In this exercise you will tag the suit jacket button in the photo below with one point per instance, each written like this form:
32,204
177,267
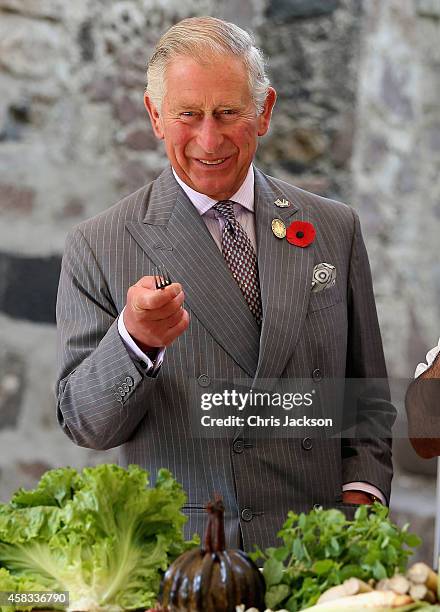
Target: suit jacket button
129,381
204,380
307,444
125,387
317,375
246,514
121,391
238,446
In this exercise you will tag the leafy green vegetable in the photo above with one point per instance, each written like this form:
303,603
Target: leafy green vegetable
102,534
322,549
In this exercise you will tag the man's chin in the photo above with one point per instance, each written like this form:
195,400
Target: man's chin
216,189
216,194
220,187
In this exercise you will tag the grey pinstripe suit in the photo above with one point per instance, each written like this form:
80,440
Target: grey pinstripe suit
335,330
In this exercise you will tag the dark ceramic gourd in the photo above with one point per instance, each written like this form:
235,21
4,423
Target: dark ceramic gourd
212,579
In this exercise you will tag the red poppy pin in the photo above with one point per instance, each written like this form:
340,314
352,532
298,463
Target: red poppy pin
300,233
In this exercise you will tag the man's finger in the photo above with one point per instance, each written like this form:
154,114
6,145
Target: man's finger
160,314
147,282
147,299
178,329
175,318
168,330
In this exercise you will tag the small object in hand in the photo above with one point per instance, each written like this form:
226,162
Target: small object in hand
161,278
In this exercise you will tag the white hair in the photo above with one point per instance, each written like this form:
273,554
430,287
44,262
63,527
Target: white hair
194,37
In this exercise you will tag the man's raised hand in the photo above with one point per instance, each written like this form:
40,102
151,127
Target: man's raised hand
155,318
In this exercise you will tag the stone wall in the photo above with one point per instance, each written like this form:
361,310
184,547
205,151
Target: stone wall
357,119
396,167
396,164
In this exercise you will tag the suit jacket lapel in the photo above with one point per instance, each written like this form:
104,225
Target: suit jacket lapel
285,279
175,236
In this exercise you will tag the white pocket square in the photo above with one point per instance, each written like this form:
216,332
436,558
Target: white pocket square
324,277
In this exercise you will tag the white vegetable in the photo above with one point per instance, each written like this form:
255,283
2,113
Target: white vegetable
240,608
351,586
364,601
420,573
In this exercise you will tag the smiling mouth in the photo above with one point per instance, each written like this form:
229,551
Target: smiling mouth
214,162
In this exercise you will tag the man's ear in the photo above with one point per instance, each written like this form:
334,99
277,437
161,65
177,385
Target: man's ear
264,118
155,118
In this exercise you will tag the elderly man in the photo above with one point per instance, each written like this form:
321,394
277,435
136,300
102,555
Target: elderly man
423,406
247,253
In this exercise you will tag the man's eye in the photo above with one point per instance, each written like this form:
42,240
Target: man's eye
188,114
228,114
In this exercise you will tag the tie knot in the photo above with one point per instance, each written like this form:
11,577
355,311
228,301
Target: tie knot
226,209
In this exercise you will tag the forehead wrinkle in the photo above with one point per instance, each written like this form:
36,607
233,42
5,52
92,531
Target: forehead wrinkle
192,105
193,83
188,103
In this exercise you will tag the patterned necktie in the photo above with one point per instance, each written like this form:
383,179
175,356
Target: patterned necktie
240,256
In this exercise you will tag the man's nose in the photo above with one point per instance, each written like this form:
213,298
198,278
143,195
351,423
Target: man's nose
209,137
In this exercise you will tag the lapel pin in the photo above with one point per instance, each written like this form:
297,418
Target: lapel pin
300,233
282,203
278,228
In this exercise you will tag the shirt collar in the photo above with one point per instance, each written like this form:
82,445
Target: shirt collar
203,203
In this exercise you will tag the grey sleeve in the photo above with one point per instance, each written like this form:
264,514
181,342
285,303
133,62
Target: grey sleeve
367,456
100,389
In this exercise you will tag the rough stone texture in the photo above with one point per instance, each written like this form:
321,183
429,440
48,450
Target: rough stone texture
73,208
19,200
23,41
286,10
138,139
394,170
28,287
12,385
395,161
33,469
127,109
428,8
313,125
357,118
41,9
36,440
413,501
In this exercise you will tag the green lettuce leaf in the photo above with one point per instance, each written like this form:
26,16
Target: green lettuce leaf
103,535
